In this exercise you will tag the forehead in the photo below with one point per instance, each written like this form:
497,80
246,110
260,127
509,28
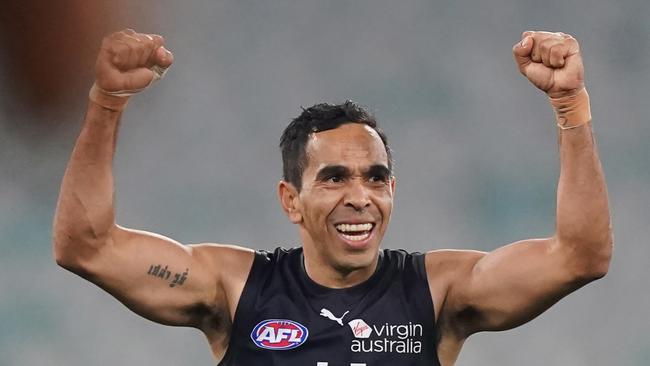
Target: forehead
349,144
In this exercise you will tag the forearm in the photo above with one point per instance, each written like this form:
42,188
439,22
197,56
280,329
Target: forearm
583,218
85,211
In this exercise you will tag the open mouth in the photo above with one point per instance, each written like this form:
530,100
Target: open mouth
355,232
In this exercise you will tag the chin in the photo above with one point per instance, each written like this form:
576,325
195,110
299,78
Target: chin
359,259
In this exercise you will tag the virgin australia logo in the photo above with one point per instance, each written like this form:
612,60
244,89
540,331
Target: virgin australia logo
360,329
328,314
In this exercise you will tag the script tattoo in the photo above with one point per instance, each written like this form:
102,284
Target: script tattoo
163,273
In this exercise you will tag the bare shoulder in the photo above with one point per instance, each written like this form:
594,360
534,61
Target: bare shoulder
223,255
445,259
445,265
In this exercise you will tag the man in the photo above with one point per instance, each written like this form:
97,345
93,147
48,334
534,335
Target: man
338,300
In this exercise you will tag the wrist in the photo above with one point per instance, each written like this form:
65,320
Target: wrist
105,100
573,110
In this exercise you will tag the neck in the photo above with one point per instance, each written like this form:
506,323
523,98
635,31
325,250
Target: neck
328,274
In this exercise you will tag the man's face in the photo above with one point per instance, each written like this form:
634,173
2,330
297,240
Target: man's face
346,197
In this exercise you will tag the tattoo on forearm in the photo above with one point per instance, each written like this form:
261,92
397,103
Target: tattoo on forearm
163,273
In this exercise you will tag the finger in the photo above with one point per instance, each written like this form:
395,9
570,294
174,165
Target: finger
163,57
545,50
538,38
127,50
140,76
136,50
521,52
160,56
120,53
557,54
146,47
157,40
574,47
535,53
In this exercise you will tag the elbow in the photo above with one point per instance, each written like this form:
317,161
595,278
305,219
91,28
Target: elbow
75,252
64,252
595,262
61,243
596,270
603,257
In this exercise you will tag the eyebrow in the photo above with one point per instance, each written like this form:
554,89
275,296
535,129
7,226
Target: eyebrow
378,169
332,170
340,170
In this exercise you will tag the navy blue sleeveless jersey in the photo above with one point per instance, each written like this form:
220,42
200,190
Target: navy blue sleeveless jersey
284,318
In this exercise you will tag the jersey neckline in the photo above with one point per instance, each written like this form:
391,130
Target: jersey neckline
353,291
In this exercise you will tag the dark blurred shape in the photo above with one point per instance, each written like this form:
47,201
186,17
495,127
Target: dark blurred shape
49,48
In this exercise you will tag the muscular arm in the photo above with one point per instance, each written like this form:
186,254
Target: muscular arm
154,276
515,283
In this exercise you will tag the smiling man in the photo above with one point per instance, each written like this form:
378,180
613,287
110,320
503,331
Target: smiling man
343,197
338,299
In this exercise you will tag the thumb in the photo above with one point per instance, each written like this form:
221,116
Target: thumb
521,51
163,57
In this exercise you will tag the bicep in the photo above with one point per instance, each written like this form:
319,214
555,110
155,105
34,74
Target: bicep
509,286
157,277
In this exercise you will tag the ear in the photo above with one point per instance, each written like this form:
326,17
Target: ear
290,201
393,182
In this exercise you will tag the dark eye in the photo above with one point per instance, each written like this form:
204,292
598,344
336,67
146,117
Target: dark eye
334,179
378,179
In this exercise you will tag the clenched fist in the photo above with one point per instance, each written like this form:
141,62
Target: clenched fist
127,63
551,61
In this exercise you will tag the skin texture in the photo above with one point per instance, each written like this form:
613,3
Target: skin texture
346,181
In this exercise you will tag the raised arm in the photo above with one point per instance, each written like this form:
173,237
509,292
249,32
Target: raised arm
154,276
515,283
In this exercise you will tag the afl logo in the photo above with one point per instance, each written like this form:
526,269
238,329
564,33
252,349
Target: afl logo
279,334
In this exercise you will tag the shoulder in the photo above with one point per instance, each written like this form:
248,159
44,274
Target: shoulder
235,262
448,266
449,262
445,268
222,256
439,264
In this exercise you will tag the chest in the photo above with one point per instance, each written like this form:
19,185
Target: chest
285,319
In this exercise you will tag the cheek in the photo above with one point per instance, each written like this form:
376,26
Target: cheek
319,205
384,201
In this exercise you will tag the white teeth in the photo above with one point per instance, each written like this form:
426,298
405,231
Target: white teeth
354,227
356,237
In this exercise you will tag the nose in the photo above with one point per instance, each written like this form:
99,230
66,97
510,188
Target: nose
357,196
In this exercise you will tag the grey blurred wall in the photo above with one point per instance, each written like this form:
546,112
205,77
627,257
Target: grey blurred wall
475,148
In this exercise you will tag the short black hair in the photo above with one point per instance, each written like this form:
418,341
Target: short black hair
317,118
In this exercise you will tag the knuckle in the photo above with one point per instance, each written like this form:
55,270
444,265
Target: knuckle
557,50
543,47
120,52
131,46
117,60
117,47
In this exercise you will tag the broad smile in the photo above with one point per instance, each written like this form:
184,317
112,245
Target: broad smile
356,235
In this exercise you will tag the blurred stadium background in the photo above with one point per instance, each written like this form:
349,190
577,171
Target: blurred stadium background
197,160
